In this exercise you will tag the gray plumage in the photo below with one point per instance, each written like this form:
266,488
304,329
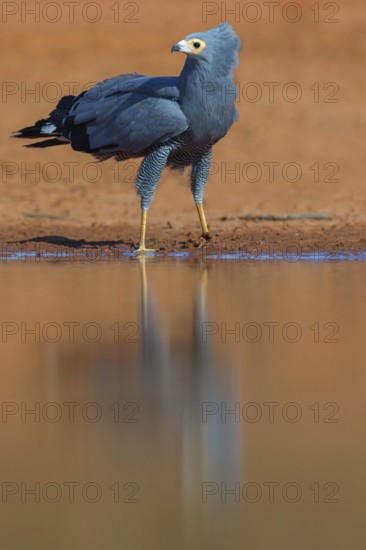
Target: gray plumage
170,121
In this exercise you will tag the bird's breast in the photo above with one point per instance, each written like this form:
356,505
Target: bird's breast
209,111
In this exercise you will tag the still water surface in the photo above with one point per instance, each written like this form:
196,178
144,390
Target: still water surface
182,404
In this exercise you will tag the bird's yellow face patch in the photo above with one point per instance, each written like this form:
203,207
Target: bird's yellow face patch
196,45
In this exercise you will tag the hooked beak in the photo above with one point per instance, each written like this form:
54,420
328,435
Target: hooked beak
181,46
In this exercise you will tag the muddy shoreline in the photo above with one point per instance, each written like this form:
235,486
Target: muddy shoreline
248,239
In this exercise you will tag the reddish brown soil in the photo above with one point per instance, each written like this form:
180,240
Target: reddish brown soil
100,209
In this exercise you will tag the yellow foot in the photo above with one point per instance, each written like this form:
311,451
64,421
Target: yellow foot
143,250
206,236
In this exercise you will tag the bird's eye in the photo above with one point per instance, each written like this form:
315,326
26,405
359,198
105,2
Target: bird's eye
196,45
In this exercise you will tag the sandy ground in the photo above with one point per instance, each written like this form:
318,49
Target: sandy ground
295,153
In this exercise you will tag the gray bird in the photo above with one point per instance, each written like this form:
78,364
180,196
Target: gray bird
169,121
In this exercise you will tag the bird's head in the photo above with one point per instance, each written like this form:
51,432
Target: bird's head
220,45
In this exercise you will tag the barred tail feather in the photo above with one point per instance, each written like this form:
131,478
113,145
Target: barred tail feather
47,143
41,128
52,126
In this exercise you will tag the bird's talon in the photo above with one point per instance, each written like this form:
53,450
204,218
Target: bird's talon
207,236
142,250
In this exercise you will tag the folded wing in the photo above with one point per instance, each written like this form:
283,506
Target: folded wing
127,113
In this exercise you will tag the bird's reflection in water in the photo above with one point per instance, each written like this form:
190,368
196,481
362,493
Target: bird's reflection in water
170,372
190,389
